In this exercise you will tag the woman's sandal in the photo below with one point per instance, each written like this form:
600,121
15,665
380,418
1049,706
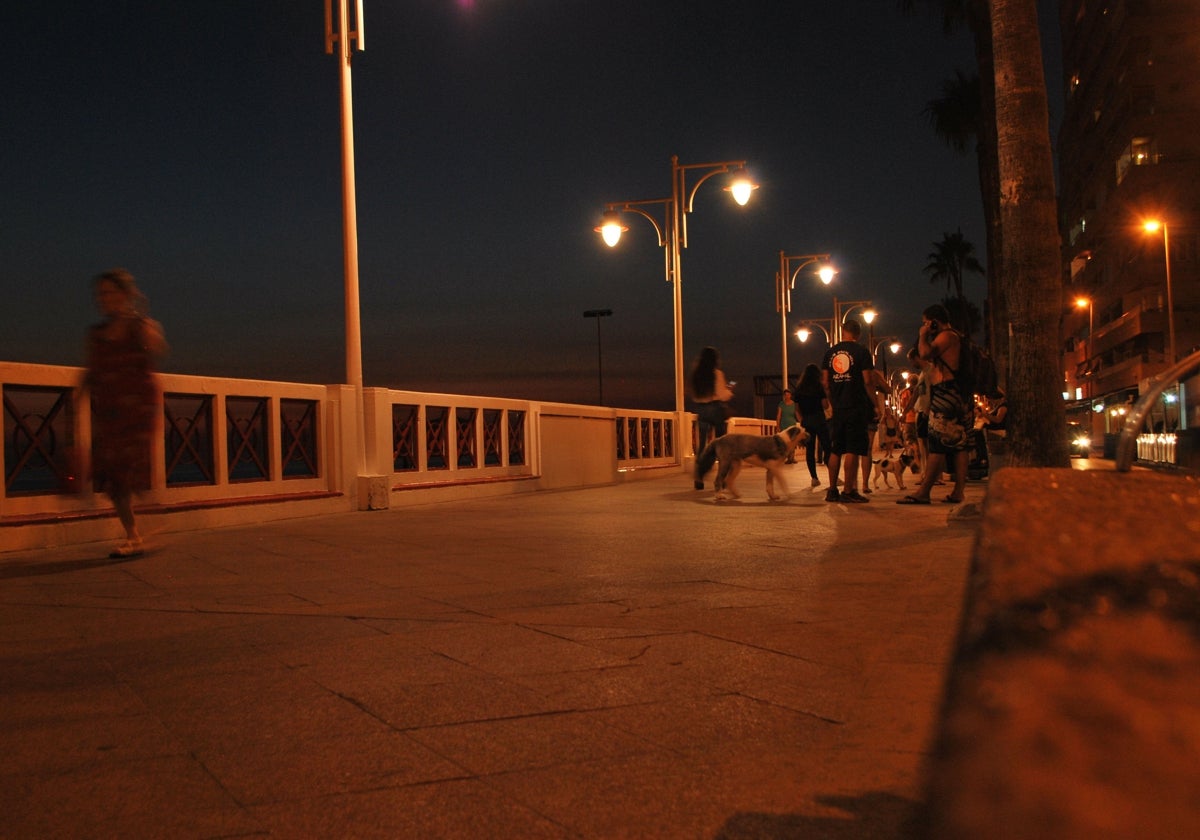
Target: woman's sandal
950,500
912,500
129,548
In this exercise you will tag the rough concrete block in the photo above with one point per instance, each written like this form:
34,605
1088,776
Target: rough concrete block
1073,700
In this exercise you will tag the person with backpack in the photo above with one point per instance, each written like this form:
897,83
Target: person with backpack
951,406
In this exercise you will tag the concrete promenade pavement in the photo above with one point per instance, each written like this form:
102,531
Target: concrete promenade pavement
631,661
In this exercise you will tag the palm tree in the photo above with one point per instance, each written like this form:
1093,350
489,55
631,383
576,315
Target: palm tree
964,315
973,15
1024,279
1030,256
955,115
950,260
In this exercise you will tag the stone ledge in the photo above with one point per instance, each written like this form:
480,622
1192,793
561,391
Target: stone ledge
1072,707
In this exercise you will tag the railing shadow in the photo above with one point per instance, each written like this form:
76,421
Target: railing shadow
876,814
17,569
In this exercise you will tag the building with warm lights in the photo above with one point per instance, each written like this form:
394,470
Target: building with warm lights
1129,152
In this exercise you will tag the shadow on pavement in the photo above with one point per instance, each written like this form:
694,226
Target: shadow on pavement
880,816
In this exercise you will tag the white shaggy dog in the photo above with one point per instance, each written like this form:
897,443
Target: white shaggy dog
734,450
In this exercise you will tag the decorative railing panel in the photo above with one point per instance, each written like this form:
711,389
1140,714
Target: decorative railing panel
405,445
441,438
516,438
247,434
187,426
645,438
465,438
298,438
437,447
493,437
39,440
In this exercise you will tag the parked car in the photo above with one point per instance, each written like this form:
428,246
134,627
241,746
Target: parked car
1078,441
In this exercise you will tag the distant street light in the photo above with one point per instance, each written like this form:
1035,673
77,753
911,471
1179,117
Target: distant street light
806,329
785,281
891,342
842,310
598,314
672,232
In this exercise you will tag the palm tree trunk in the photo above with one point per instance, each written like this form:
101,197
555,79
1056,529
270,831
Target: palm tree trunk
996,312
1030,252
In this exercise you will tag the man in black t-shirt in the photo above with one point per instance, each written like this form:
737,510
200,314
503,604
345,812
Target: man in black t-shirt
844,373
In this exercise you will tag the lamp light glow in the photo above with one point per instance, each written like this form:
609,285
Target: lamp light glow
741,188
826,273
611,228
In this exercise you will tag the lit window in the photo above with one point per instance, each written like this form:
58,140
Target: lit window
1140,152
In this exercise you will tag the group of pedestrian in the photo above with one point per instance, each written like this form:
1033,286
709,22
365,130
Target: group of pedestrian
842,406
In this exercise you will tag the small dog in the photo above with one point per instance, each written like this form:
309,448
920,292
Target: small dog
893,464
734,450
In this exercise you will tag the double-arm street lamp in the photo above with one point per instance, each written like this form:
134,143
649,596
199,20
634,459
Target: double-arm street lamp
842,310
891,342
806,329
785,281
671,227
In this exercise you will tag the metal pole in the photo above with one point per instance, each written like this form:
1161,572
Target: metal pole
1170,302
598,314
781,290
599,364
354,375
1091,350
676,246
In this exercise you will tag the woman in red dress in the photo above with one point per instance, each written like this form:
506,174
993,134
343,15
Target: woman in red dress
122,351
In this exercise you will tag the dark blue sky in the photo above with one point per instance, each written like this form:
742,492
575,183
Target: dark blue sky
197,145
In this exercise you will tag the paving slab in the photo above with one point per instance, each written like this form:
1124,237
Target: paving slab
624,661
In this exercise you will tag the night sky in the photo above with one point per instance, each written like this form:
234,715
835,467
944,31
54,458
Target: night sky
197,145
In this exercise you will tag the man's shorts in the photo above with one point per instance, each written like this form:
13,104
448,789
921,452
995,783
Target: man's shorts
951,418
848,433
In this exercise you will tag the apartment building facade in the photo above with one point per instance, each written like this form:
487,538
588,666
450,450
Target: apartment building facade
1129,154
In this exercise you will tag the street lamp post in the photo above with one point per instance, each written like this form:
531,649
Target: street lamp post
842,310
889,341
1081,302
806,329
672,232
785,281
1153,226
598,314
345,41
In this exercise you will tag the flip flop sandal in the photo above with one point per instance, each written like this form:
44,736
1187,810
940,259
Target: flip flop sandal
912,500
950,500
128,549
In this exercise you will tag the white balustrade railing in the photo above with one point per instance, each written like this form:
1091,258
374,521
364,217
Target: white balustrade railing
236,450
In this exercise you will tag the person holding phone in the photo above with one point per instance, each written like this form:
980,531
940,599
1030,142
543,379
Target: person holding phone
951,408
